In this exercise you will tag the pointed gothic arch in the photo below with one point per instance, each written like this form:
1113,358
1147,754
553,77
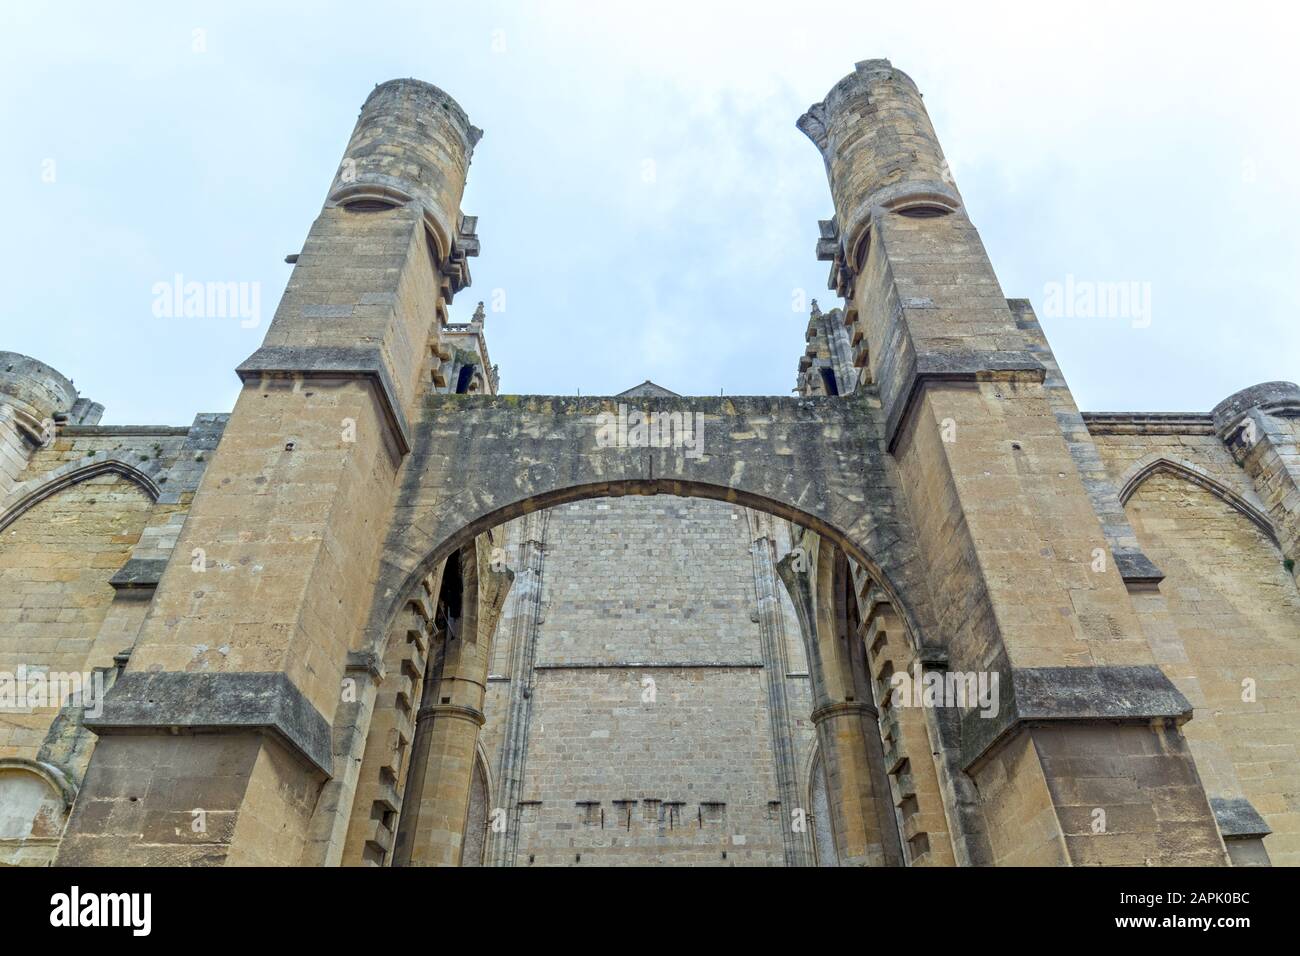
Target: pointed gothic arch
29,494
1156,464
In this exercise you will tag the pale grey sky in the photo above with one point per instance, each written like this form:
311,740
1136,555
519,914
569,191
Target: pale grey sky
1118,143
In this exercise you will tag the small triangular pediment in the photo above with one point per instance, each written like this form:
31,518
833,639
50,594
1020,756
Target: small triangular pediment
647,389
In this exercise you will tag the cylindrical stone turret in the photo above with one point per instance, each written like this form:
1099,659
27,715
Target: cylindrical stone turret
879,147
412,143
33,396
1267,397
34,388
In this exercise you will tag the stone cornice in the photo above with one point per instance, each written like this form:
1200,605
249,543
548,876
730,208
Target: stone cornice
1149,423
264,702
321,361
848,708
1045,695
931,368
457,711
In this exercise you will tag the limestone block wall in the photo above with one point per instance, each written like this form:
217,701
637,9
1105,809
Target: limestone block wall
55,565
140,446
86,524
1235,605
1127,443
685,779
649,738
666,579
58,556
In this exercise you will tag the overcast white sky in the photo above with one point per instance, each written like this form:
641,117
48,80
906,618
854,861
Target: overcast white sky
1153,144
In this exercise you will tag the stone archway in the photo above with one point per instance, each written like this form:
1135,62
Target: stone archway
479,461
862,795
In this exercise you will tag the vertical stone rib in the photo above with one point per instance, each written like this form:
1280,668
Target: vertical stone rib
523,647
771,629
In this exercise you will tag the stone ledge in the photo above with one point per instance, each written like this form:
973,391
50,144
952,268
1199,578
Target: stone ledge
1148,423
647,665
322,361
367,662
1238,819
139,573
953,366
1137,569
267,702
1120,694
117,431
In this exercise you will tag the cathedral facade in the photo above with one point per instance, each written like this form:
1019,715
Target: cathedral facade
926,612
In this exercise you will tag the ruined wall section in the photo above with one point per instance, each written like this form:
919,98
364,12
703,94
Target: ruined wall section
649,738
87,526
89,515
1236,609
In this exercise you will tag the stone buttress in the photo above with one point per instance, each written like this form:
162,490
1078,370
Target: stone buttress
246,643
1005,526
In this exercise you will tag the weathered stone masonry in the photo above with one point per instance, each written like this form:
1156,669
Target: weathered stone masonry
381,614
